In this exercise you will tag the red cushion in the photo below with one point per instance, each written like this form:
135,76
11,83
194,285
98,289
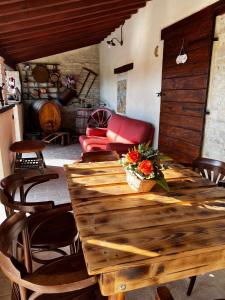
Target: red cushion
125,130
96,131
121,130
93,143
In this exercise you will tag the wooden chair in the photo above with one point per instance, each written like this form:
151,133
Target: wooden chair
29,146
96,156
56,231
64,279
212,169
163,293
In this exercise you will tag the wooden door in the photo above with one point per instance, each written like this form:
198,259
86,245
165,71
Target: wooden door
185,86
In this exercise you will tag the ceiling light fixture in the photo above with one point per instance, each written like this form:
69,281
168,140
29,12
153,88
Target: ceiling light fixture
112,42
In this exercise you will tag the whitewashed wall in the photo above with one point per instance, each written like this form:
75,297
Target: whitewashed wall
141,36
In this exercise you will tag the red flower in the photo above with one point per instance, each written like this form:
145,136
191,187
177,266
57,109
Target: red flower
133,156
146,167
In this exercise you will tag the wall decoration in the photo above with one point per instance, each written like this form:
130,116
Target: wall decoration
156,51
182,57
13,85
121,96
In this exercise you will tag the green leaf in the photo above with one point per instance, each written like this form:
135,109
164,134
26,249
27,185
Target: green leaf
162,182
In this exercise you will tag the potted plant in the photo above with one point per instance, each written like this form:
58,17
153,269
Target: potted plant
143,168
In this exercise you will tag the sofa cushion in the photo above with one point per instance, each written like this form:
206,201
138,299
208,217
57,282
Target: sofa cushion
93,143
96,131
125,130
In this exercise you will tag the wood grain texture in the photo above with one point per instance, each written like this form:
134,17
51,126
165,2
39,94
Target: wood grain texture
182,96
181,122
133,240
23,25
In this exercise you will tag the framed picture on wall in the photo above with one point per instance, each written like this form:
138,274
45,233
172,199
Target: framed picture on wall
121,95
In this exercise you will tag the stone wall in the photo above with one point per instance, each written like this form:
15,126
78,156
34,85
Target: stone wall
71,63
214,141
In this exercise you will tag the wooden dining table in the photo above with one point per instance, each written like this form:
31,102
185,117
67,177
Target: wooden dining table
133,240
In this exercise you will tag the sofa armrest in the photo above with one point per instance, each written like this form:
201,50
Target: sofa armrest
96,131
119,147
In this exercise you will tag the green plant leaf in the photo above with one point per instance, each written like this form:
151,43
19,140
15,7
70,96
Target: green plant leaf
162,182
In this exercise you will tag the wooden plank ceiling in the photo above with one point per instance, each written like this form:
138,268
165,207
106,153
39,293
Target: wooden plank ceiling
31,29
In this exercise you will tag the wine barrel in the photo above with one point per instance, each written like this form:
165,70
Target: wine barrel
46,115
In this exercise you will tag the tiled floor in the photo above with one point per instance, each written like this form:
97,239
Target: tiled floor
208,287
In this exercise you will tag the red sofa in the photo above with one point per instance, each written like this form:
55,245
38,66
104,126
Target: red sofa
122,133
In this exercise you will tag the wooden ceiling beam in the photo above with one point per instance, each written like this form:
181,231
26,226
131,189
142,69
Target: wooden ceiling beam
74,21
32,29
49,20
20,46
11,7
66,29
57,39
39,53
84,8
9,61
19,9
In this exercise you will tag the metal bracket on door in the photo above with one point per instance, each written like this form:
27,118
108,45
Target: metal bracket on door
160,94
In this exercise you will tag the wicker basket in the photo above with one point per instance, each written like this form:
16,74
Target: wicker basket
138,184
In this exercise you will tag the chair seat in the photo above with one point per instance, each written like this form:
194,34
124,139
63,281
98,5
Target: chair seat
67,271
27,146
56,231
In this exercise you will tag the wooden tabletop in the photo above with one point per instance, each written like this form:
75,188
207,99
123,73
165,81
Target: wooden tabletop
133,240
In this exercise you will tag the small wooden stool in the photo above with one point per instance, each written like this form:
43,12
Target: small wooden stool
29,146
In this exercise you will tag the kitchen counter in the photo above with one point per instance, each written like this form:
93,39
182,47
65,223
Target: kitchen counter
6,108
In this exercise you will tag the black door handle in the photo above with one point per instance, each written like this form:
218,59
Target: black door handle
160,94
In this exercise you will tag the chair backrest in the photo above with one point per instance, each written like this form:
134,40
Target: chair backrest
97,156
14,182
214,170
11,183
17,271
9,232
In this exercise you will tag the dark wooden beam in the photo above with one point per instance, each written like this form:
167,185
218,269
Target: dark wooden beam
57,40
8,24
124,68
19,7
66,24
71,28
37,28
40,52
22,41
9,61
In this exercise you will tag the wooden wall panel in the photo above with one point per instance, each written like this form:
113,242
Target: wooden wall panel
185,109
192,96
184,86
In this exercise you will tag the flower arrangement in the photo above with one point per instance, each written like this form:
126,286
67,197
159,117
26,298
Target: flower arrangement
143,162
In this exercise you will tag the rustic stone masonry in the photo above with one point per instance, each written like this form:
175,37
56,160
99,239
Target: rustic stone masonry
71,62
214,140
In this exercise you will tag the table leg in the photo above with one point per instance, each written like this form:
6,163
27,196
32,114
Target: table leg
119,296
